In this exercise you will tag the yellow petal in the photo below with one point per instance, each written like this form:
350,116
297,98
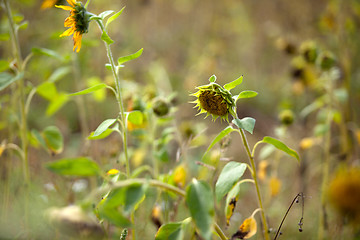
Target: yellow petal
77,41
71,2
112,171
180,176
67,8
69,22
68,32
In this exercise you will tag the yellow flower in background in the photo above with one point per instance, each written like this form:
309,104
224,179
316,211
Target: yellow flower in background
78,22
180,176
275,186
344,192
262,171
112,171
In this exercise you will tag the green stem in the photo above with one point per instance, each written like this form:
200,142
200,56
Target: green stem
254,175
118,98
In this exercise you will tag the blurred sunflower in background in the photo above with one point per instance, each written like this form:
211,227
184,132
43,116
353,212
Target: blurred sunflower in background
78,22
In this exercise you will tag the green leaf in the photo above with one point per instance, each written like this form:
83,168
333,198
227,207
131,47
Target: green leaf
37,135
47,52
4,65
105,14
103,126
4,36
124,59
246,123
212,78
79,167
199,199
229,175
59,73
281,146
136,117
6,79
246,94
233,84
173,231
54,139
90,89
103,135
220,136
113,17
56,103
23,25
105,37
114,216
47,90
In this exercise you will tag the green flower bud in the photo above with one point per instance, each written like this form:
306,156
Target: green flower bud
160,107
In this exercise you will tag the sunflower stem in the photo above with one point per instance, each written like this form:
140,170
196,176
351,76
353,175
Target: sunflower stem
118,98
254,175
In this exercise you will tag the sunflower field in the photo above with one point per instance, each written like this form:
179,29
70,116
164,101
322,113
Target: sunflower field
183,119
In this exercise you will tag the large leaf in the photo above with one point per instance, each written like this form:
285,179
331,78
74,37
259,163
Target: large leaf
199,199
79,167
90,89
246,123
128,197
280,145
229,175
124,59
220,136
54,139
113,17
6,79
172,231
233,84
103,126
114,216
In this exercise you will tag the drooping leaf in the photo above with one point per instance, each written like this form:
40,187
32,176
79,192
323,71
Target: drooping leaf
54,139
136,117
246,123
6,79
220,136
233,84
229,175
125,59
103,126
281,146
199,199
231,200
105,37
90,89
79,167
113,17
247,229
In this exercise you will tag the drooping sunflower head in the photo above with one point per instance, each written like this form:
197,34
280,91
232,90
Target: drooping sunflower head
214,100
78,22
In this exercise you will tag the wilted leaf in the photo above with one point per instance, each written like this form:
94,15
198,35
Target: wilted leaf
247,229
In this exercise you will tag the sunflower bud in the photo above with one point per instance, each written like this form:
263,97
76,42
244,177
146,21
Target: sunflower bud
214,100
286,117
309,51
160,107
326,60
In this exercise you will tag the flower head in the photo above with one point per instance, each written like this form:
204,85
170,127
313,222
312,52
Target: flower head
214,100
78,22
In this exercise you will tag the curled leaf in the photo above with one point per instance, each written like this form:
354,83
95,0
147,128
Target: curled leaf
247,229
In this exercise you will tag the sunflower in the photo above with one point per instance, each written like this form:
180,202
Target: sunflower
214,100
78,22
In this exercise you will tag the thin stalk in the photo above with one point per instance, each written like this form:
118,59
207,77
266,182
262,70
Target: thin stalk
254,175
118,98
19,62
